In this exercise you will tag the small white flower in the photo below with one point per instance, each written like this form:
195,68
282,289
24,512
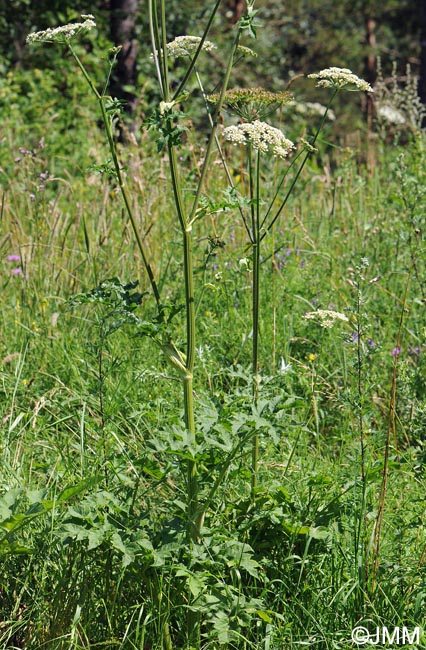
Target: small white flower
261,136
63,33
285,367
244,262
340,78
326,317
390,114
187,46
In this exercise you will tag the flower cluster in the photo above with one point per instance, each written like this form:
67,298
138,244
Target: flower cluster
311,109
15,258
187,46
390,114
325,317
260,136
308,146
252,103
63,33
340,78
246,51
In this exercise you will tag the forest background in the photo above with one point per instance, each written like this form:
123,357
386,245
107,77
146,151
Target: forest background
297,36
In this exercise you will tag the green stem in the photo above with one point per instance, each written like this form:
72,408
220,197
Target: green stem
194,59
299,171
121,183
219,148
153,30
255,206
213,131
194,519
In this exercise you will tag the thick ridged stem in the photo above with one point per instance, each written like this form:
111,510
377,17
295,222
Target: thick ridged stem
255,207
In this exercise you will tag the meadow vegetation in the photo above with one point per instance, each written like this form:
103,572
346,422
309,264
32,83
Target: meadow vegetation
213,360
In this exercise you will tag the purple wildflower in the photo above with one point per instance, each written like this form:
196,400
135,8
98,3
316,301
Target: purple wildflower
288,252
371,343
414,352
396,351
32,197
17,271
14,258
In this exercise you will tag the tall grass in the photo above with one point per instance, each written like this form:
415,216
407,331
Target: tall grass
128,517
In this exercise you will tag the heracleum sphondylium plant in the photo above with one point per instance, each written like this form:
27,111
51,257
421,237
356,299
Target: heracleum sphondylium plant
167,119
260,138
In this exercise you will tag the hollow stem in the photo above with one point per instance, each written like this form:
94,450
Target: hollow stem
254,176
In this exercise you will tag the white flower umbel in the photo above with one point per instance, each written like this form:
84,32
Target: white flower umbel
187,46
63,33
261,136
390,114
326,317
340,78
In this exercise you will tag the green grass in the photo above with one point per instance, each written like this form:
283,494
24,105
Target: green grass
93,548
94,452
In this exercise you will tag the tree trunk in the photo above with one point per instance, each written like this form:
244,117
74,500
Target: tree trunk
122,28
234,10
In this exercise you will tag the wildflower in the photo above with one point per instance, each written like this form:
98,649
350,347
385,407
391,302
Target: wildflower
396,351
187,46
14,258
246,51
326,317
244,263
311,109
312,356
261,136
340,78
252,103
32,197
390,114
63,33
17,271
285,367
